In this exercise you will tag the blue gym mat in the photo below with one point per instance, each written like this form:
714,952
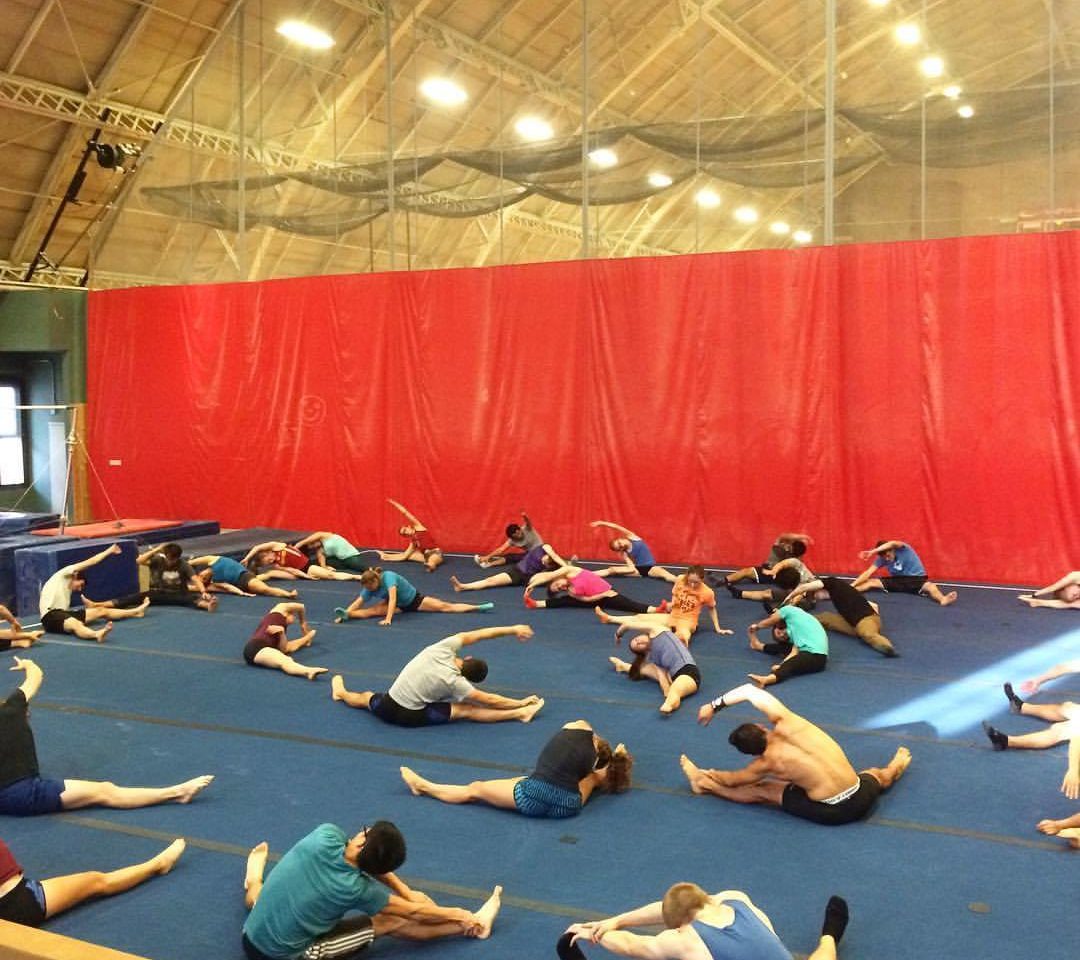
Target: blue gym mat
949,865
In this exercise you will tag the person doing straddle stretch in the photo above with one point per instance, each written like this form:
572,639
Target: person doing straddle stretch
275,558
855,615
271,647
897,568
422,547
1067,829
436,687
797,767
32,902
332,550
663,657
571,586
636,556
798,638
786,545
24,793
688,595
387,593
536,560
172,580
520,539
225,575
1061,595
724,926
1064,720
332,895
574,763
16,636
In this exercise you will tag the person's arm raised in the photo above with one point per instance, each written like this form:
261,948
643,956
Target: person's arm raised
520,630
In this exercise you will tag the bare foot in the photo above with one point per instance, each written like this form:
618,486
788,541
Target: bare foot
292,593
488,912
667,708
166,860
692,772
621,666
104,632
1072,834
948,598
190,789
531,711
413,781
1049,827
256,864
456,584
337,687
314,672
761,681
900,762
756,644
140,610
603,617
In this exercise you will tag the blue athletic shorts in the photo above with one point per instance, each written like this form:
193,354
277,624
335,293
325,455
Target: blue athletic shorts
31,796
538,798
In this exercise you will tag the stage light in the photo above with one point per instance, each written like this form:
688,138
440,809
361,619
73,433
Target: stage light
305,35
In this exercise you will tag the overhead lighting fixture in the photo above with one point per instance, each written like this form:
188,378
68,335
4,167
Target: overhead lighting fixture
780,228
952,91
746,215
441,90
709,199
967,111
802,236
660,180
118,156
305,35
533,128
908,34
879,3
603,157
932,66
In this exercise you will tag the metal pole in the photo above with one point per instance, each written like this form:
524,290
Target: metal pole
830,119
390,180
584,129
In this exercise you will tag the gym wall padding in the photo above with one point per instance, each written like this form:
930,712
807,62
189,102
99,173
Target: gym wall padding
8,546
928,391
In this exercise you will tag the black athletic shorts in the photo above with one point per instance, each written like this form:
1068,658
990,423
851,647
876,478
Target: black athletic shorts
858,805
903,584
690,670
517,578
53,621
415,605
245,578
24,904
388,709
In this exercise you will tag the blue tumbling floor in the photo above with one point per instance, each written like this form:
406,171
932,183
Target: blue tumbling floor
949,865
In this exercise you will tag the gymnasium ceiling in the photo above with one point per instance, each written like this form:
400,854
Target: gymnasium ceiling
258,158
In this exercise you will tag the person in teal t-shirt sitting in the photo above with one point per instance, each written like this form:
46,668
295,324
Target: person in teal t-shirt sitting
300,910
385,594
796,634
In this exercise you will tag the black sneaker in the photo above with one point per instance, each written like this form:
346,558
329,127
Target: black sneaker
997,738
1015,703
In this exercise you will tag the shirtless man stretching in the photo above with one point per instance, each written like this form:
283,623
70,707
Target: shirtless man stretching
797,767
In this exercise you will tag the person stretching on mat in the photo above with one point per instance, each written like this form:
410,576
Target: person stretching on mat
270,646
773,595
1061,670
276,559
855,615
896,568
32,902
436,686
390,593
16,636
661,656
536,560
798,637
797,767
636,556
422,547
571,586
1063,595
301,911
1064,720
55,601
172,580
329,549
24,793
786,545
573,764
520,539
688,595
225,575
1067,829
724,926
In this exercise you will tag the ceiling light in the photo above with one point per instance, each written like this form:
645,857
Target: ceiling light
305,34
709,199
780,228
746,215
908,34
443,91
952,91
659,180
533,128
879,3
802,236
603,157
932,66
967,111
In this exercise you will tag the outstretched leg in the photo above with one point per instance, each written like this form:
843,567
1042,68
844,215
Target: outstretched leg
255,585
681,688
707,781
495,580
63,893
90,793
76,627
338,692
95,612
888,775
933,591
497,793
435,605
469,711
276,660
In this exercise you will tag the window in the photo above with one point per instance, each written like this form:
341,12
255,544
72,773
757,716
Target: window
12,455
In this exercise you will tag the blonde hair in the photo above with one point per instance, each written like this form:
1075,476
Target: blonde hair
371,577
682,903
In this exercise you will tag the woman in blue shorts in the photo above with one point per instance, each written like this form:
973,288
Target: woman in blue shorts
573,764
385,594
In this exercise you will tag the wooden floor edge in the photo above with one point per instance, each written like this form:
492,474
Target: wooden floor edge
29,943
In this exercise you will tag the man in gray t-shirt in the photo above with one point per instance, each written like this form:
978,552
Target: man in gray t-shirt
436,686
520,539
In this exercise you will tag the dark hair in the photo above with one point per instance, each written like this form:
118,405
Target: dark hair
619,765
880,543
613,541
798,548
474,669
748,738
696,568
639,659
513,530
383,850
371,577
172,552
787,578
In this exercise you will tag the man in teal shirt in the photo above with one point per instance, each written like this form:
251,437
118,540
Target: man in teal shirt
300,911
798,635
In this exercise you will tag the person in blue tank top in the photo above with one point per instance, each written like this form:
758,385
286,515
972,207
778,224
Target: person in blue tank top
225,575
637,558
385,593
724,926
663,657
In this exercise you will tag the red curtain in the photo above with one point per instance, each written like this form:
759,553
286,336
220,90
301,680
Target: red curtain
928,392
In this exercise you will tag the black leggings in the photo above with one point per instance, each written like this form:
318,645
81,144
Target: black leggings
617,602
160,598
802,662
